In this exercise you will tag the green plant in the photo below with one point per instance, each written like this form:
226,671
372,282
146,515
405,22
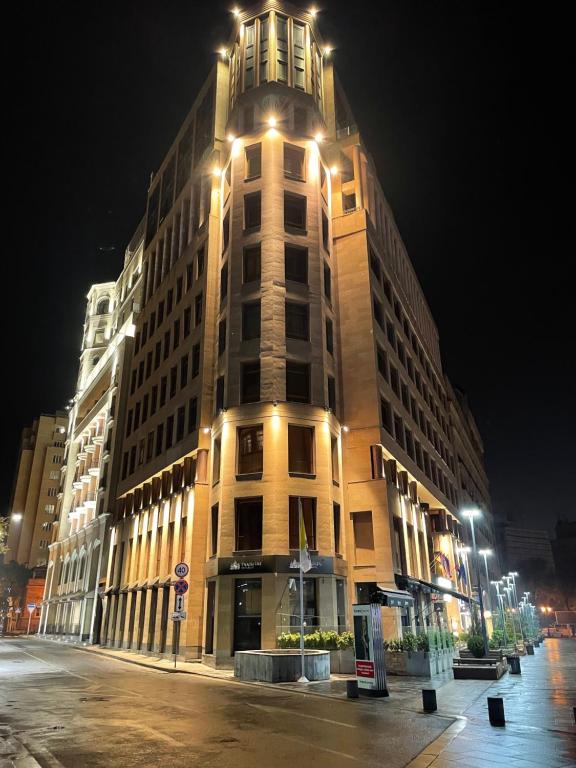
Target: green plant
476,646
497,639
326,640
463,637
422,643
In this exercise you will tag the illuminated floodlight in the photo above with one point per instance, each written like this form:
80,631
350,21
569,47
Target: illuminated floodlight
16,517
272,122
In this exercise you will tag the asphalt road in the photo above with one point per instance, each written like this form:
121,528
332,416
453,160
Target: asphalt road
71,708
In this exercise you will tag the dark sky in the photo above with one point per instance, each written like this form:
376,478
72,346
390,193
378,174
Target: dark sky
464,106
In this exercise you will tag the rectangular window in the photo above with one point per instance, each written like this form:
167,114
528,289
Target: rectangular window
399,430
294,212
219,394
329,336
198,309
163,390
253,161
226,232
251,264
192,414
325,232
334,460
178,290
150,446
309,515
300,450
382,363
216,460
221,337
195,360
386,415
200,262
251,321
250,450
183,371
281,49
297,320
176,334
166,345
394,381
214,531
224,282
180,421
154,400
297,382
263,51
327,282
169,431
378,312
336,519
296,263
173,380
187,321
157,355
332,393
159,438
250,382
252,210
294,158
248,524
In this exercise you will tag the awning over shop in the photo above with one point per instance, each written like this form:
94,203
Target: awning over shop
419,585
394,598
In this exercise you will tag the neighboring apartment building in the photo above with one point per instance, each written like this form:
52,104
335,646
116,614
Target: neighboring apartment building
78,555
523,546
34,496
285,352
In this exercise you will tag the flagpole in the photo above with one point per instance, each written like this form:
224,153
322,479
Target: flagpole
303,678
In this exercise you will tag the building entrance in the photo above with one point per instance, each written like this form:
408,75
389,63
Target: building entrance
247,614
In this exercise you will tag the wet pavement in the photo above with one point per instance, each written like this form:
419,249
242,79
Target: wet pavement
60,706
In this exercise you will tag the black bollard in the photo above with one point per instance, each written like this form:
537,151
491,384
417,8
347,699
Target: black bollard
514,664
352,689
529,649
429,700
496,711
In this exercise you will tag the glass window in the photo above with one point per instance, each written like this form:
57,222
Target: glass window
214,531
249,45
386,415
248,524
327,282
216,460
310,603
294,161
297,320
297,382
332,393
219,393
252,210
224,282
221,337
294,211
298,42
309,515
282,49
253,161
363,538
251,264
250,382
226,232
250,450
336,519
263,50
301,450
296,263
329,336
251,320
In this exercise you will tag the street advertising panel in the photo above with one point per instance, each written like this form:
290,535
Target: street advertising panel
369,649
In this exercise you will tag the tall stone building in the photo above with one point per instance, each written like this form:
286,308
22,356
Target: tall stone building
35,491
72,605
285,355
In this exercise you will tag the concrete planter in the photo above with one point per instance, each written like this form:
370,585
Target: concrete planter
281,665
343,662
418,663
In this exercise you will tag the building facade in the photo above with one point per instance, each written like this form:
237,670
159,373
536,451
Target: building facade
35,491
285,358
72,605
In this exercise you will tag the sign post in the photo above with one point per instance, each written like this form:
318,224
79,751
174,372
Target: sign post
180,588
369,649
31,608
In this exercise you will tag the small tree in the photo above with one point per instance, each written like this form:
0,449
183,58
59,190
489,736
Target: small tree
3,535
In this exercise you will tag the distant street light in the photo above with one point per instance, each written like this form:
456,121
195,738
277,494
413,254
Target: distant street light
471,514
485,554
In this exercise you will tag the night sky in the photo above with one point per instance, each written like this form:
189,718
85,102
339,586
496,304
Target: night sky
463,106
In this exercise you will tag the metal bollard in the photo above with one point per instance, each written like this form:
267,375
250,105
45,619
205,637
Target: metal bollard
514,664
496,710
352,689
429,700
529,649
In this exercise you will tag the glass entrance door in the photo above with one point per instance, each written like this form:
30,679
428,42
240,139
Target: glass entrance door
247,614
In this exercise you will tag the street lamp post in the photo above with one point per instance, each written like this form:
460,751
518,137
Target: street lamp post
508,590
500,599
471,514
486,553
512,575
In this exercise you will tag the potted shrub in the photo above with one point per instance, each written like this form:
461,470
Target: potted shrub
476,646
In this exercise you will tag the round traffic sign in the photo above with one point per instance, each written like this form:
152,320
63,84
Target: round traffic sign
181,570
181,587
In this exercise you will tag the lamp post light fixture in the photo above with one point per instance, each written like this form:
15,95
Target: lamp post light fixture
486,553
471,514
512,575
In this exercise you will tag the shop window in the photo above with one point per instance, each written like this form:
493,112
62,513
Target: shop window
309,515
251,320
248,528
300,450
250,450
310,602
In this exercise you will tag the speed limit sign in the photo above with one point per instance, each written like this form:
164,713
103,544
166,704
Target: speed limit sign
181,570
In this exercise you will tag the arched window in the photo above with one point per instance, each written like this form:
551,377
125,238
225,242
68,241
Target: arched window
102,306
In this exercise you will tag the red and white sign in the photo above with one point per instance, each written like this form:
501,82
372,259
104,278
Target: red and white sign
365,669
